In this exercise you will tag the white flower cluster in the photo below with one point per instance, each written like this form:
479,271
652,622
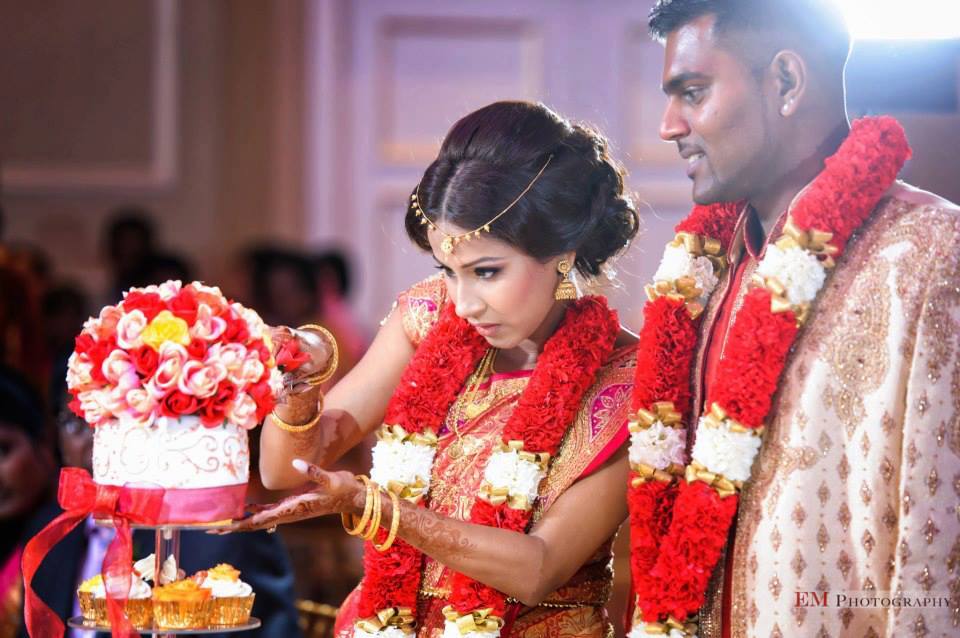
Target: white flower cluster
677,263
386,632
639,630
450,630
724,452
519,476
404,462
800,272
658,446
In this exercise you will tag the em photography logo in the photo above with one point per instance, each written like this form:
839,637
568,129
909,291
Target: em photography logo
870,599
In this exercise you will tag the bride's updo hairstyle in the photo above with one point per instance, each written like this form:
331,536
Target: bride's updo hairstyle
491,155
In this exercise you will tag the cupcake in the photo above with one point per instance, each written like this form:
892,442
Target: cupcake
232,598
182,604
93,601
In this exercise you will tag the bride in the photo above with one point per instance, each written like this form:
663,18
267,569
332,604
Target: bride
498,397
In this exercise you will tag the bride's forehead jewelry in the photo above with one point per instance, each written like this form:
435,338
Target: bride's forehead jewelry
450,241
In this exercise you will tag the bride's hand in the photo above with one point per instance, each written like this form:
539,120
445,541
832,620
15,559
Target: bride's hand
334,493
315,348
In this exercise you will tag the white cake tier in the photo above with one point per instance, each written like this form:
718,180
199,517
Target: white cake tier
171,453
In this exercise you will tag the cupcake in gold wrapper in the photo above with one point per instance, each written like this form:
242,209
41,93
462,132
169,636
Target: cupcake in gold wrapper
93,602
232,598
183,604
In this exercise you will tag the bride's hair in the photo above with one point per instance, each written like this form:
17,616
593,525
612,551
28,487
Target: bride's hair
491,155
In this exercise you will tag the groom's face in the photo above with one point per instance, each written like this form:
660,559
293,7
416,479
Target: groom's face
715,113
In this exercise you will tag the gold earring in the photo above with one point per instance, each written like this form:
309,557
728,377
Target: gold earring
565,289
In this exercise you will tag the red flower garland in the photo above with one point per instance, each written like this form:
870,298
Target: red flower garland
564,372
673,580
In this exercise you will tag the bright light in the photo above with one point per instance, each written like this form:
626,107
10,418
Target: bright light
899,20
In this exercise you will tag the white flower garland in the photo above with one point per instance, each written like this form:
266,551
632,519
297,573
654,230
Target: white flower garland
404,462
520,477
725,452
797,269
658,446
678,263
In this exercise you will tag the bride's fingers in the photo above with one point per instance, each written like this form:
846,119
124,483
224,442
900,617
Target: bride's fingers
311,471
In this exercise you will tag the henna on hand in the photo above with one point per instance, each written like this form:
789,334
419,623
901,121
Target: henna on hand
431,532
335,493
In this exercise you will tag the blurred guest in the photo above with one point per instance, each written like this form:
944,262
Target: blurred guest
26,470
333,284
161,267
129,240
283,286
65,307
21,337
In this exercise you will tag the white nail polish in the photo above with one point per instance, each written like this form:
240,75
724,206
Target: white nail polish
300,465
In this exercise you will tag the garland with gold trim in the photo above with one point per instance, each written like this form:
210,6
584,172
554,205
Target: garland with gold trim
680,510
403,458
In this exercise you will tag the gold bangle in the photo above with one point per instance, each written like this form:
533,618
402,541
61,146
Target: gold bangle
394,524
367,510
371,533
290,427
331,369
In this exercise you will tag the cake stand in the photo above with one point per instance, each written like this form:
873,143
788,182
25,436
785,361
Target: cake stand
167,543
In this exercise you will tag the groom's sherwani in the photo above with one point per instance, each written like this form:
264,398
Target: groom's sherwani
856,490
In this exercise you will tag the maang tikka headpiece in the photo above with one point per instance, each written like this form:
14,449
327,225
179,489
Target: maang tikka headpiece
450,241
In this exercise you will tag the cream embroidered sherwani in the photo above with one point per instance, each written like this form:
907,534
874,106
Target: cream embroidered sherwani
856,488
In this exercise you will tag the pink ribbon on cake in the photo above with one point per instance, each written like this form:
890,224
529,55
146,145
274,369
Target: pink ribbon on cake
80,497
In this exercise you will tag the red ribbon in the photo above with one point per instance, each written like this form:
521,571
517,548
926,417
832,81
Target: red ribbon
80,497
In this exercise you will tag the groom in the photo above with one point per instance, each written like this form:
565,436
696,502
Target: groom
855,489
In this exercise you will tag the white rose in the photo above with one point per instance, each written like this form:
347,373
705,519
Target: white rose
170,365
119,370
78,372
243,411
169,289
201,380
129,328
207,326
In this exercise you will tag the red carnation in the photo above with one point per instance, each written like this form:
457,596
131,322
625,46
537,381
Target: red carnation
149,303
184,305
145,360
177,404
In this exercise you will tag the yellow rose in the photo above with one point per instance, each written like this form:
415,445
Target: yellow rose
166,327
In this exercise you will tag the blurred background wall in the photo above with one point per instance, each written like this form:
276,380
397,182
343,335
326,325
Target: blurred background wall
307,124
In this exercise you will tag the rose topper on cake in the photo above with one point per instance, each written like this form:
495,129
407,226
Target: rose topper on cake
170,351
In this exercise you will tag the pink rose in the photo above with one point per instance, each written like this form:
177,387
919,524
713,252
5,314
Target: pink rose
169,289
120,371
78,373
251,371
129,328
230,355
140,408
201,380
172,358
243,411
92,405
207,326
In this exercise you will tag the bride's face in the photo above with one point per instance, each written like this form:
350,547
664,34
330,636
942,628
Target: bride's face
507,295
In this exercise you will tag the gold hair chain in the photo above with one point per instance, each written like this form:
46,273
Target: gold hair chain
450,241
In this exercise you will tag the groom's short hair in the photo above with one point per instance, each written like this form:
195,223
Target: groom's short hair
811,26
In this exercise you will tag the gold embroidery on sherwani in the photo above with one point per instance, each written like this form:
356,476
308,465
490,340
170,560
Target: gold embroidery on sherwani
874,377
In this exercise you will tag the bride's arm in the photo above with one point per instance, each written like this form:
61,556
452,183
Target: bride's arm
352,409
528,567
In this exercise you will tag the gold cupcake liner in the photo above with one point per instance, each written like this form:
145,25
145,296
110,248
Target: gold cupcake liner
234,610
182,614
139,611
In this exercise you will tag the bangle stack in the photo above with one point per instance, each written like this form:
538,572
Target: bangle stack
327,373
369,523
299,427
